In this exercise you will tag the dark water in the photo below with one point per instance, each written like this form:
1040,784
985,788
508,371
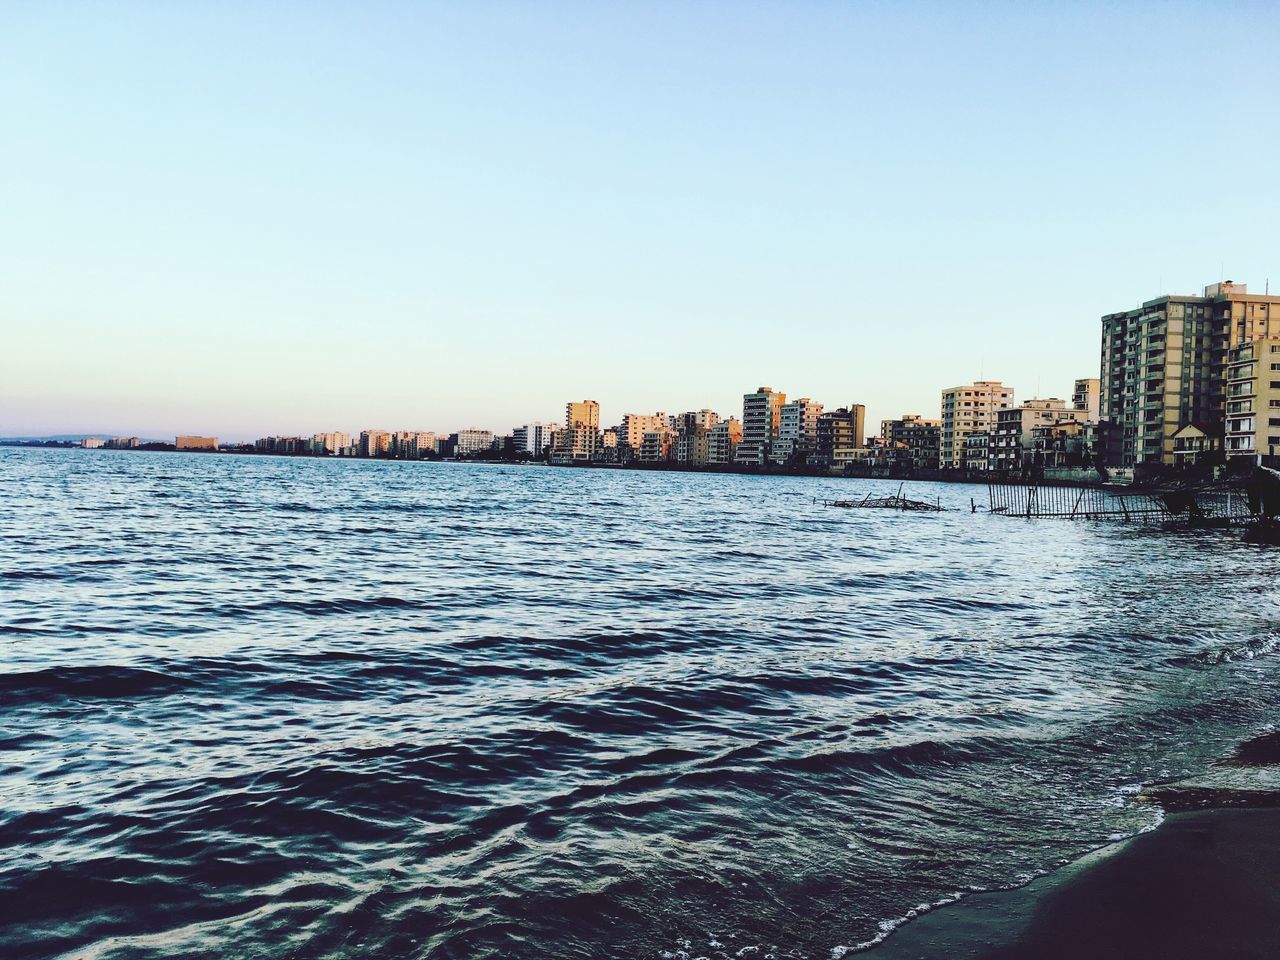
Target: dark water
260,707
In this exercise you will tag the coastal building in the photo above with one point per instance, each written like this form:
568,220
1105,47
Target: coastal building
977,445
196,443
797,431
1011,444
1164,365
282,446
1252,427
91,443
838,435
969,409
920,438
123,443
472,441
533,438
329,443
1086,395
633,428
374,443
579,441
761,413
655,447
723,440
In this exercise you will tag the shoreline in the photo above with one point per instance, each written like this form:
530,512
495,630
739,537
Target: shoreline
1203,883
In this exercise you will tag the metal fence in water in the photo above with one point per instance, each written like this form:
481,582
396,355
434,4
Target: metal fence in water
1086,503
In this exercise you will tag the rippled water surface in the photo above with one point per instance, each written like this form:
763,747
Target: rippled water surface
262,707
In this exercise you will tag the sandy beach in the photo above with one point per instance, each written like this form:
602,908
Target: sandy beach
1204,884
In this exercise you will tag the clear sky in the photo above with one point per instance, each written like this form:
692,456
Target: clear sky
250,218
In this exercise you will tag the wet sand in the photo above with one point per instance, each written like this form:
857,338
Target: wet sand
1204,885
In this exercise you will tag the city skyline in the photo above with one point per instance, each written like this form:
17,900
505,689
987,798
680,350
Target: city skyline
458,216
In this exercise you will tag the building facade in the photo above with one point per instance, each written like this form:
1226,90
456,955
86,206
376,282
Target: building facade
723,440
966,410
196,443
761,413
920,438
1164,365
1011,444
1252,427
839,435
797,431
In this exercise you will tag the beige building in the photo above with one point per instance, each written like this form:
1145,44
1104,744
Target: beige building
723,440
761,414
1011,444
91,443
656,446
1086,395
196,443
1164,364
914,439
1253,399
579,441
967,410
635,425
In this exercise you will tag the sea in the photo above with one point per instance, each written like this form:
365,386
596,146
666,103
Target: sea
275,707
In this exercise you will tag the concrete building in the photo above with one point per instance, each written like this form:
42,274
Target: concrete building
91,443
656,446
473,441
1086,395
533,438
329,443
797,431
723,440
635,425
1164,364
969,409
920,438
1011,444
196,443
761,412
839,435
374,443
579,441
1252,427
977,447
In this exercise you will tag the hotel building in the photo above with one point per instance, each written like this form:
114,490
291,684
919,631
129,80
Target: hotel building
797,431
920,438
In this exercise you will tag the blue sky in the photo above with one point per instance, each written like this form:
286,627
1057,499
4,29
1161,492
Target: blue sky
241,218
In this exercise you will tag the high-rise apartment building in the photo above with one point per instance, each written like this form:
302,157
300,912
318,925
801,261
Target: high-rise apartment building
917,437
1253,399
1164,364
579,441
761,412
797,431
533,438
967,410
374,443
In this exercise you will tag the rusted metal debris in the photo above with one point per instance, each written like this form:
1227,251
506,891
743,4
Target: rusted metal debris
895,502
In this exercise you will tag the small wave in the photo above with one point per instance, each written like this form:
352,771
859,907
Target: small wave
1230,652
29,575
95,682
